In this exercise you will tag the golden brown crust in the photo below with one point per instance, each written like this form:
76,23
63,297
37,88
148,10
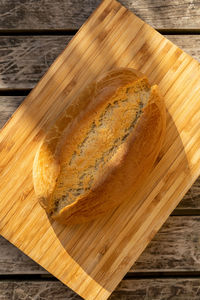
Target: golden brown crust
46,165
138,159
127,169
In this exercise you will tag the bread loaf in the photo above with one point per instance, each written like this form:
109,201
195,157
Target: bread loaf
101,149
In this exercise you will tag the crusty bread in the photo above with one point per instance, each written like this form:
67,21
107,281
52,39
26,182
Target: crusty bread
101,149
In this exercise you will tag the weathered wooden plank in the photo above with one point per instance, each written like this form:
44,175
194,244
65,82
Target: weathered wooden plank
137,289
174,248
8,105
58,14
192,199
189,43
35,290
158,289
13,261
24,60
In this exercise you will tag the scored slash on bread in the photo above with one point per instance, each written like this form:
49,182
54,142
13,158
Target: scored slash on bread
100,151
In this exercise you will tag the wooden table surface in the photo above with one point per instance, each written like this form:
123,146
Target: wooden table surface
32,34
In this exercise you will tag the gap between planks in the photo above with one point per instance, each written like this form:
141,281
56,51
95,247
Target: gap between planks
14,92
130,275
71,32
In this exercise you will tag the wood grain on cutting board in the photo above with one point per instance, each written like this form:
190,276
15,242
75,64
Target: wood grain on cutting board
92,258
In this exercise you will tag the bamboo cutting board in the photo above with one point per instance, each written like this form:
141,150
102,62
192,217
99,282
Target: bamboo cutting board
92,258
